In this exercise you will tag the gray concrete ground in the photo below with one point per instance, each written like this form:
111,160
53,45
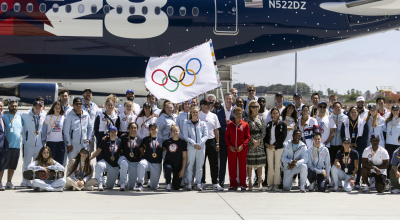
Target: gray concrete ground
112,204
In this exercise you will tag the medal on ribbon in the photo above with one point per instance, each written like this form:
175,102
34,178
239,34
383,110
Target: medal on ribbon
154,146
131,154
112,148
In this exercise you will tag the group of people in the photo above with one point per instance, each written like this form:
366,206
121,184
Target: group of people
320,143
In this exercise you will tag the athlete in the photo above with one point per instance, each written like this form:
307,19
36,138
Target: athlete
315,99
376,125
63,95
289,116
165,121
307,125
362,111
279,105
130,96
384,112
297,103
338,117
125,118
182,117
80,172
152,100
251,95
144,119
332,100
92,109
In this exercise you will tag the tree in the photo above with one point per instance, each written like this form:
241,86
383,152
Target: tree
303,88
320,93
330,91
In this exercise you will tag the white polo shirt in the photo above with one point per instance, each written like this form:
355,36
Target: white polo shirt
325,124
377,157
212,122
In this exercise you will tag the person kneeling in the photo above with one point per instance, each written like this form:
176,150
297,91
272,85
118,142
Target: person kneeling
151,152
109,148
44,161
318,163
345,167
175,159
375,161
80,172
294,158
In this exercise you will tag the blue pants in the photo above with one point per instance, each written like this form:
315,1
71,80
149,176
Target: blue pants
321,180
57,151
223,158
170,169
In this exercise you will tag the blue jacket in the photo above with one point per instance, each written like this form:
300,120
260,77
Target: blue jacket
221,118
77,129
29,137
164,123
322,161
195,135
287,156
92,109
180,121
3,133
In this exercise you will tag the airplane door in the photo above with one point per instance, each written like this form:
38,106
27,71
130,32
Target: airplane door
226,17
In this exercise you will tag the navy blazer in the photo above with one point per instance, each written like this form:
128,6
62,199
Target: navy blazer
221,118
3,139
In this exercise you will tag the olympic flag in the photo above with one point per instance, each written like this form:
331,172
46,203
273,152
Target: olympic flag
183,76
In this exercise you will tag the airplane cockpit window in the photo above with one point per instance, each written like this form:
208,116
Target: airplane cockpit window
17,7
144,10
170,10
42,7
81,8
68,8
182,11
157,10
29,7
132,9
119,9
4,7
93,9
195,11
106,9
55,8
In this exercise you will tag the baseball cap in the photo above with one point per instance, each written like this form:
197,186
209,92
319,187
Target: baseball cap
129,90
360,98
77,99
278,93
205,102
35,103
372,107
322,103
395,107
87,89
346,140
146,104
374,136
114,128
297,95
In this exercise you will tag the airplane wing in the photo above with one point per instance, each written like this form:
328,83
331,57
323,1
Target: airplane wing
364,7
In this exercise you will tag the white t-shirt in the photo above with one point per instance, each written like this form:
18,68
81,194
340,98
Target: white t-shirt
54,128
124,121
325,124
135,109
264,115
291,123
212,122
143,129
378,157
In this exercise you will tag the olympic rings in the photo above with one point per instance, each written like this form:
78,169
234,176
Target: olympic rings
184,77
187,64
155,81
177,85
169,74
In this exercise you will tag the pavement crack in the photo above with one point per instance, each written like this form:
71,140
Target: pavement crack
229,205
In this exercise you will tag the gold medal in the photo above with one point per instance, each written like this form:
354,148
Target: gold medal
154,155
112,158
131,154
80,179
36,133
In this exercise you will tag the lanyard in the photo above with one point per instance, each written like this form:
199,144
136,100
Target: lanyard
320,118
144,122
82,173
88,107
305,122
10,118
373,153
36,120
128,119
355,124
154,146
287,121
391,124
134,143
315,154
314,113
346,159
53,123
337,122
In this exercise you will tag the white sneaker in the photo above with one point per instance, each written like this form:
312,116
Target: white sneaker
302,189
199,187
23,183
340,184
148,184
335,189
1,187
139,187
104,180
88,188
357,187
395,191
276,188
28,184
100,188
311,187
9,185
122,186
294,183
372,182
217,187
270,188
189,187
366,189
119,183
388,185
59,189
168,188
203,186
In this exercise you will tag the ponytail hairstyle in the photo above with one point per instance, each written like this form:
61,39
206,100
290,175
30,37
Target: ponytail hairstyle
173,126
41,161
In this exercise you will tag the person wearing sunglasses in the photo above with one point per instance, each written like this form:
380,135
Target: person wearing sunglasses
251,95
315,99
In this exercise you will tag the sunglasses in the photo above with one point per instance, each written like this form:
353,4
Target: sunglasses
323,107
251,90
78,104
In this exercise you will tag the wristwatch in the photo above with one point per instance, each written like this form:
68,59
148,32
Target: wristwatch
217,143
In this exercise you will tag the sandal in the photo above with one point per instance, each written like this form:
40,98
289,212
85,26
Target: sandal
250,185
260,186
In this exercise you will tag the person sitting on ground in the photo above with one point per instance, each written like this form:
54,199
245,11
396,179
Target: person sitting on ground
44,161
375,161
80,172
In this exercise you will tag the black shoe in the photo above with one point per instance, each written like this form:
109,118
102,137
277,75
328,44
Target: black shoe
221,184
231,189
265,184
280,186
243,188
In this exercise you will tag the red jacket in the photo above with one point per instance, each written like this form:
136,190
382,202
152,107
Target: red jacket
237,135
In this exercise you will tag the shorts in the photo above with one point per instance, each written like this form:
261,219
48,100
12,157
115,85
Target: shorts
11,159
379,179
333,151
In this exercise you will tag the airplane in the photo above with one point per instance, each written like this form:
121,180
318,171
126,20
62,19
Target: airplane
105,44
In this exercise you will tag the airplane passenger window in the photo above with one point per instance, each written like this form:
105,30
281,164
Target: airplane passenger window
144,10
182,11
29,7
119,9
4,7
106,9
157,10
81,8
132,9
17,7
55,8
42,7
170,10
68,8
195,11
94,9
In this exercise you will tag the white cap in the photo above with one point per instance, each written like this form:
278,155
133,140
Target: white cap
360,98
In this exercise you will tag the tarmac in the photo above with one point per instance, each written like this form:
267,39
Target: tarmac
23,203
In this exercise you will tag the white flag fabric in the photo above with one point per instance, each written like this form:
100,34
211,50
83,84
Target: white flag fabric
183,76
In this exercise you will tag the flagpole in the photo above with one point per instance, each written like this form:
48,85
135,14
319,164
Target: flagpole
223,101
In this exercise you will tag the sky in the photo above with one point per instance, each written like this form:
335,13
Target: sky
362,64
